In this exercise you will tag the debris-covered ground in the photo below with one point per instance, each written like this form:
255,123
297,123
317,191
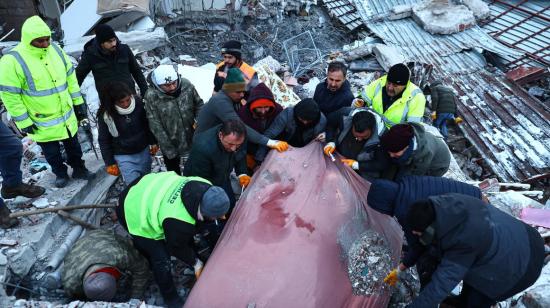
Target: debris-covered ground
369,263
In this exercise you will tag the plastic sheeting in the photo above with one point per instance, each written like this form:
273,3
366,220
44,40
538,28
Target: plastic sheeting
280,248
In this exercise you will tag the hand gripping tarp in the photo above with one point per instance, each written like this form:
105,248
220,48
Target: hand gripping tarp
280,247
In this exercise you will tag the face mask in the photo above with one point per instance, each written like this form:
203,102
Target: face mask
427,236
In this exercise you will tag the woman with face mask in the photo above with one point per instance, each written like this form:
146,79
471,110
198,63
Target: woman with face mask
125,140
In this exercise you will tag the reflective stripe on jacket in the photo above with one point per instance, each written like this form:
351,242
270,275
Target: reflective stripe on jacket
409,108
38,86
154,198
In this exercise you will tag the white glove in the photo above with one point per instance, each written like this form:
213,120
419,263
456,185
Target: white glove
321,137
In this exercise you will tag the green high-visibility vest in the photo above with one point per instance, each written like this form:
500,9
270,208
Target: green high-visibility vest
154,198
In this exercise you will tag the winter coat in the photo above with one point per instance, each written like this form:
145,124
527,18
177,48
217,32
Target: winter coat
396,198
209,159
249,74
103,247
284,127
133,134
430,156
331,101
259,125
339,125
171,118
408,108
221,108
443,99
121,66
38,86
477,243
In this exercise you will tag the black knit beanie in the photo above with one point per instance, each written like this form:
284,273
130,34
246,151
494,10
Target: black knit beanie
307,109
421,214
399,74
104,33
233,48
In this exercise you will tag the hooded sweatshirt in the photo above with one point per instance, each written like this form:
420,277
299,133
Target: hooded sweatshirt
38,85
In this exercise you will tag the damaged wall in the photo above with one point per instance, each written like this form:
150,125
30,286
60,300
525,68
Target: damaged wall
13,14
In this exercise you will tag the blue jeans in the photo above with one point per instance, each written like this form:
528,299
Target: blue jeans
11,152
132,166
441,123
52,152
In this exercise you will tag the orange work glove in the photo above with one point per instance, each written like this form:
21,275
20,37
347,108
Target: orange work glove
458,120
280,146
353,164
329,148
198,268
244,180
113,170
434,116
153,149
393,277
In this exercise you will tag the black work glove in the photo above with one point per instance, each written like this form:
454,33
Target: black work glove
29,129
81,112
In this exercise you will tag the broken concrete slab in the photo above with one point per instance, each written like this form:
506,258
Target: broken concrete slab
480,9
443,18
78,19
139,41
401,11
387,55
201,77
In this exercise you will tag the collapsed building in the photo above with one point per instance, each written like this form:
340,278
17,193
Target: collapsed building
493,53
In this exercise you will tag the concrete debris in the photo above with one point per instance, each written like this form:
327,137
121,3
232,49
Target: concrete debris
480,9
139,41
310,86
41,203
401,11
387,55
7,242
3,259
78,19
369,263
443,18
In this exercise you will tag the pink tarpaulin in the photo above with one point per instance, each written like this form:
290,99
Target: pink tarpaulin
537,217
280,248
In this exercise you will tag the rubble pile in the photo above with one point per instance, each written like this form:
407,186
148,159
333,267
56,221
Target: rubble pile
368,263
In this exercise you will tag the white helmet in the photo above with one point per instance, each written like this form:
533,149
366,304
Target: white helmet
164,74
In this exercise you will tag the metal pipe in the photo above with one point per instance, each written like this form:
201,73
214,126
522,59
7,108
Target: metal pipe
63,249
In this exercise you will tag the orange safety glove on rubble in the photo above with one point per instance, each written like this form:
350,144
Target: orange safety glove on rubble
198,268
280,146
153,149
244,180
329,148
393,277
113,170
353,164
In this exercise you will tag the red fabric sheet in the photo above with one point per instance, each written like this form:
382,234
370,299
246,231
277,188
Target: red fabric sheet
280,247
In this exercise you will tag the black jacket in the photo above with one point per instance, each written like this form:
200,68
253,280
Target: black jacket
477,243
443,99
121,66
133,134
209,160
330,101
372,159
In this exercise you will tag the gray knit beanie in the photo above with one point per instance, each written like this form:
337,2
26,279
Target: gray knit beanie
215,202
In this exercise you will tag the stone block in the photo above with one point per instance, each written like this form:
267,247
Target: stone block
443,18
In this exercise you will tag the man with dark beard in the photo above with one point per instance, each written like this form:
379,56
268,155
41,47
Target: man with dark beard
109,60
297,125
258,113
335,92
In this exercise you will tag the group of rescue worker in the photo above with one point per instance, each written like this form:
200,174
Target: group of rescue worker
452,233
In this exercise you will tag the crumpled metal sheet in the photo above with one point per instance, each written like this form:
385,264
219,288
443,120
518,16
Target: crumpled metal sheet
281,246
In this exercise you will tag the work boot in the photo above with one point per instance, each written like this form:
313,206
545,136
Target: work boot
25,190
82,174
5,220
61,181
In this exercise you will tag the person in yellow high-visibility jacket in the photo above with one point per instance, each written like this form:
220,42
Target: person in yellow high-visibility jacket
39,89
394,97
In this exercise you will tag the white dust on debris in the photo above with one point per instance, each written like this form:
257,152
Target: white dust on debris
369,262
